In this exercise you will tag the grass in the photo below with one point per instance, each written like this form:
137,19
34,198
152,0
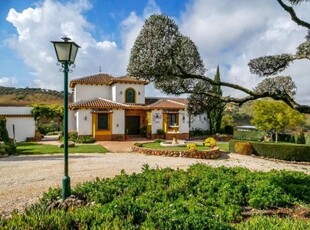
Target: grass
29,148
155,145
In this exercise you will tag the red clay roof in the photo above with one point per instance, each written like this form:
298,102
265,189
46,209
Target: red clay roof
105,79
15,115
97,103
127,79
107,104
98,79
167,104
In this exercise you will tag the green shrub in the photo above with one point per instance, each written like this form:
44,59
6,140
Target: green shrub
249,135
85,139
307,137
202,197
139,144
301,138
160,132
282,151
158,140
272,223
72,136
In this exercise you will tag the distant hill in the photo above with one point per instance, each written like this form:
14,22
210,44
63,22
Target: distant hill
11,96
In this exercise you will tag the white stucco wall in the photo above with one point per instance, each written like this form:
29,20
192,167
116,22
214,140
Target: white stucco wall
157,123
119,92
24,127
85,92
71,120
118,122
183,123
199,122
84,122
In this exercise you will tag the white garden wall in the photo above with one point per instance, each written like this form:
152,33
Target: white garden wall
24,127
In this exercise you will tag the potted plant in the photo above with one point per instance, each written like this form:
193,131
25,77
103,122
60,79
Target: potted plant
160,133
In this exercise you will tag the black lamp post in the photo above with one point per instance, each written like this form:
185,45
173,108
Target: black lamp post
66,52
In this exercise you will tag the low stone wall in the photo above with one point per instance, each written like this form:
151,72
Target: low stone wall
207,154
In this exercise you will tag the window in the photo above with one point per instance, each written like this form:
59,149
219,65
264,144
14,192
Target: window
130,96
103,121
172,119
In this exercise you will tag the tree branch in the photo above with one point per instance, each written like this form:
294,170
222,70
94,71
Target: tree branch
252,95
294,17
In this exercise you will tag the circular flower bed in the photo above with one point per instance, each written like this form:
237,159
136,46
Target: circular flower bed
200,154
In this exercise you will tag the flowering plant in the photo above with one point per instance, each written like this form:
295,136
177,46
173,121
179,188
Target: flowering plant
191,146
210,141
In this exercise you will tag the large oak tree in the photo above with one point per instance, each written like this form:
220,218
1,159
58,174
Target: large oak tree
163,55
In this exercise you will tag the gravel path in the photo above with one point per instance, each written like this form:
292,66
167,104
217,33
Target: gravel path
25,178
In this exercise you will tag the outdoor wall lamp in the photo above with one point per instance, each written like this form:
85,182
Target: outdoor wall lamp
121,92
66,53
85,118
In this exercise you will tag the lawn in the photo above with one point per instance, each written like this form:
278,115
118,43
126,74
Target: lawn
28,148
155,145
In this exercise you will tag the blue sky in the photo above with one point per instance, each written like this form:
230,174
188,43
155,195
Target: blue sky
227,33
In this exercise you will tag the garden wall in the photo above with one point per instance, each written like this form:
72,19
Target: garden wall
207,154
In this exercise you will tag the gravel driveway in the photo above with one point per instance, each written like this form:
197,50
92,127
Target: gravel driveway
25,178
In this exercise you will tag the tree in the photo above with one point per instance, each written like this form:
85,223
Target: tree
214,107
216,113
275,116
163,55
43,111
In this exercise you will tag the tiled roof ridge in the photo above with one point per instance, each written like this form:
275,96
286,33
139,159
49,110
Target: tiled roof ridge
118,103
180,103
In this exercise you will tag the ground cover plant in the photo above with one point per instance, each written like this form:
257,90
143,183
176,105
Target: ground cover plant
200,198
35,148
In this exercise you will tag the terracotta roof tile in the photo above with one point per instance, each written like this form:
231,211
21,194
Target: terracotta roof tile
105,79
98,79
167,104
98,103
127,79
15,115
136,106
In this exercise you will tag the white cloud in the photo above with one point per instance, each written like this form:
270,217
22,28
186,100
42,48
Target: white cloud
50,20
230,33
7,81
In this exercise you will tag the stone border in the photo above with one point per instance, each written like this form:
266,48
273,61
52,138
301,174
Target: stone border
207,154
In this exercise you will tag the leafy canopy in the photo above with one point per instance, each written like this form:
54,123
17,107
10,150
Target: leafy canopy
275,116
163,55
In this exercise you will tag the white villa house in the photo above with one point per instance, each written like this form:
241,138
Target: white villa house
113,108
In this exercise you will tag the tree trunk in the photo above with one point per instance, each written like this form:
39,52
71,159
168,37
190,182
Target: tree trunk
276,137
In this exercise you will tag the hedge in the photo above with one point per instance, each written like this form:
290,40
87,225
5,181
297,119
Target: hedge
282,151
249,135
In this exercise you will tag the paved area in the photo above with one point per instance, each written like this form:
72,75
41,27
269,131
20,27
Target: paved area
24,178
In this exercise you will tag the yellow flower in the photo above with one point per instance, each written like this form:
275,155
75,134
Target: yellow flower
191,146
210,141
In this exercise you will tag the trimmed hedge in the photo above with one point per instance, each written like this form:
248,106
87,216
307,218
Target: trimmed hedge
249,135
282,151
